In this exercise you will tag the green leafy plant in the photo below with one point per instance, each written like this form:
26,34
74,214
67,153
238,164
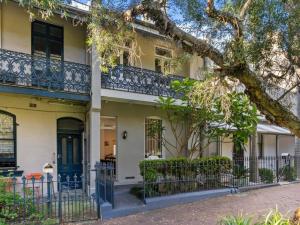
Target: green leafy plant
235,220
288,173
274,217
240,171
159,174
266,175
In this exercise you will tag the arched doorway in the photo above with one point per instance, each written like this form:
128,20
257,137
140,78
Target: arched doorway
69,148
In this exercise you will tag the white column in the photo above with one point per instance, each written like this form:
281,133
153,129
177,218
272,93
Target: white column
94,116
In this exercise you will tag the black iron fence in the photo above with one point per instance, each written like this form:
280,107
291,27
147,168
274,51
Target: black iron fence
38,200
167,177
105,177
138,80
25,70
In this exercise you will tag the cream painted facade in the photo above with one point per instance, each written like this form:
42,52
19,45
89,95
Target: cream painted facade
286,144
131,117
37,116
36,130
15,33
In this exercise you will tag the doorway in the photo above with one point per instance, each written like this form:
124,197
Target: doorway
69,148
108,151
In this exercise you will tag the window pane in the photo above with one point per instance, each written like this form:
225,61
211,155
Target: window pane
6,126
39,46
39,28
55,32
55,49
126,58
7,149
158,67
163,52
76,158
153,131
64,151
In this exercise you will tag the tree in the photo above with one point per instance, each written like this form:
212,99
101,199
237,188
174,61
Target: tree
252,42
195,124
255,43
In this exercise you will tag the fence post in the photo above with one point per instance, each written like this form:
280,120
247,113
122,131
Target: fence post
97,191
277,168
144,183
48,194
59,199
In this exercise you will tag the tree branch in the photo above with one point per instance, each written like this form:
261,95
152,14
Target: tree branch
152,10
245,8
223,17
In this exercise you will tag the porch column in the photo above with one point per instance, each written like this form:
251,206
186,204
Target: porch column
94,116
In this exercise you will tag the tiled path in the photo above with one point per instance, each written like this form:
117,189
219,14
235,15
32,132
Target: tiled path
208,212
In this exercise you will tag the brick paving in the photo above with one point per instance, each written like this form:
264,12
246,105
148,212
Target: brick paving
254,203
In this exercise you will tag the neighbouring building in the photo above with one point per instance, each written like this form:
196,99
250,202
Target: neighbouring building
56,107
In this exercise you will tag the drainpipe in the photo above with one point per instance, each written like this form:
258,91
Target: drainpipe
277,159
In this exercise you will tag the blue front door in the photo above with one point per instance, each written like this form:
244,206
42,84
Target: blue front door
69,157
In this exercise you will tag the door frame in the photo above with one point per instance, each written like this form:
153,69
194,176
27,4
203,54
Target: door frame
80,134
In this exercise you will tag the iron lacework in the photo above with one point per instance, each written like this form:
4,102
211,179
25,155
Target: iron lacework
138,80
25,70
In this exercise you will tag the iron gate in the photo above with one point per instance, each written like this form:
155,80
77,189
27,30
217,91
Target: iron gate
105,176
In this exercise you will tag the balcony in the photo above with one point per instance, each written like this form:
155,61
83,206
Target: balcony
28,74
137,80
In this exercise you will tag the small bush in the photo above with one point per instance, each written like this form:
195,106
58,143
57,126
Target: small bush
289,173
266,175
235,220
177,175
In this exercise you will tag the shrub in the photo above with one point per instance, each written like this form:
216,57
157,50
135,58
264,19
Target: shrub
288,172
159,175
240,171
235,220
266,175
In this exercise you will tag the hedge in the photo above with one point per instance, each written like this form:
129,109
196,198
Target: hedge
182,167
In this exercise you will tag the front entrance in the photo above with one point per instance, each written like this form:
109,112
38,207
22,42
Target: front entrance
69,149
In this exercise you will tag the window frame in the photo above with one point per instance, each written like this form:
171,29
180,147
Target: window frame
14,159
48,38
160,139
162,58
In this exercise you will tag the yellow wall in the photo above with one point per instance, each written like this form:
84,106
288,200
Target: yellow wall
147,43
36,129
16,33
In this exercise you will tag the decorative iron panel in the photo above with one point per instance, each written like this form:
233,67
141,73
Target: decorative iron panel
137,80
20,69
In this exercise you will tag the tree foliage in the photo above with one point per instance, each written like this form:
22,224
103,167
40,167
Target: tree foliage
196,122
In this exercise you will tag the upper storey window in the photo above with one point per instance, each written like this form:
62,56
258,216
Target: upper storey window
47,40
163,58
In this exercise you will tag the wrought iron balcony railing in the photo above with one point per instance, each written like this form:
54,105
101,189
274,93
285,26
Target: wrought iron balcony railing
19,69
137,80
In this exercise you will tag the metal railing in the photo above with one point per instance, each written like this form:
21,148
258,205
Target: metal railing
40,199
25,70
105,177
165,178
138,80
